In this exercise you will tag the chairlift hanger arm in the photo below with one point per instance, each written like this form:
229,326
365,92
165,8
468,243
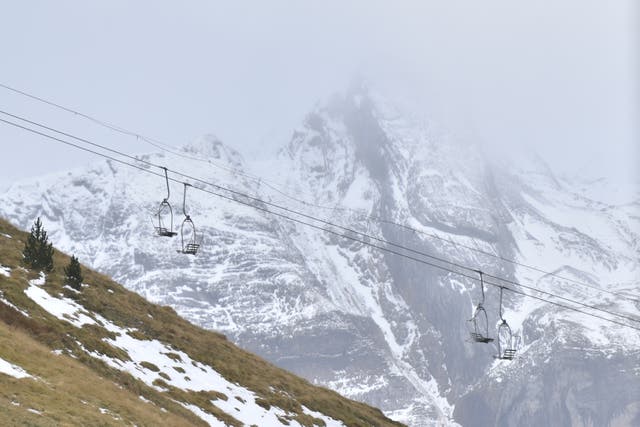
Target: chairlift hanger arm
166,177
500,305
184,199
481,285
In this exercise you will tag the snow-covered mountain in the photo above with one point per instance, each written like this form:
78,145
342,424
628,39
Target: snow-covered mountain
374,326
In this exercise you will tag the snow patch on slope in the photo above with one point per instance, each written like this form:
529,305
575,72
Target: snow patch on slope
13,370
4,300
62,308
205,416
5,271
182,372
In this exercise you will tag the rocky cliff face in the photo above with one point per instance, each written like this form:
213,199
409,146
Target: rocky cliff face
374,326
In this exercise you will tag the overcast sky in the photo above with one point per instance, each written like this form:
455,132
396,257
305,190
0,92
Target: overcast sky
558,75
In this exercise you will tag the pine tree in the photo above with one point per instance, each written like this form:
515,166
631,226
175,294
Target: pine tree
38,252
73,274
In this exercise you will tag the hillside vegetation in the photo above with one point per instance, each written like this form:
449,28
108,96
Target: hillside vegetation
106,356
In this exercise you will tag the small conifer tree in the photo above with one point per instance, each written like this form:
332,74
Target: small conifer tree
38,252
73,274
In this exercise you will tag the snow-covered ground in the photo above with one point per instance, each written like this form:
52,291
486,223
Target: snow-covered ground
5,271
62,308
10,304
13,370
151,360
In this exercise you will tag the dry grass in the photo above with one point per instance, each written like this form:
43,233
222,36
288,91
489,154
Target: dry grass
66,392
128,309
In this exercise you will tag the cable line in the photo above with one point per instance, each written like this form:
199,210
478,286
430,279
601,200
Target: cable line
152,141
351,230
381,240
347,229
277,205
230,198
163,146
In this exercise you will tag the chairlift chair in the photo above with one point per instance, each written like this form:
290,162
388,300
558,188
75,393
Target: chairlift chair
506,352
480,328
506,345
480,322
165,214
191,245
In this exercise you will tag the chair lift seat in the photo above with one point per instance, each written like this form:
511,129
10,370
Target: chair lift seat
477,337
509,351
509,354
162,231
191,248
480,333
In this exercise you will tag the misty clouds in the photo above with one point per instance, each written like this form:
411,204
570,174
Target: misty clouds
558,76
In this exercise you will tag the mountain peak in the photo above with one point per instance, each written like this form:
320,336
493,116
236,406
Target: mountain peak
210,147
375,326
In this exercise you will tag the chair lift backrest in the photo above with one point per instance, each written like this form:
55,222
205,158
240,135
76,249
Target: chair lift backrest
504,336
165,206
478,334
190,247
480,322
506,349
482,313
162,210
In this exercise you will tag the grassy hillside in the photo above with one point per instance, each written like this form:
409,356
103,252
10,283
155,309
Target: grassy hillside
78,375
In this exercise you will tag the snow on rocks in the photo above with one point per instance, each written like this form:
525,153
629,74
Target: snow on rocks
13,370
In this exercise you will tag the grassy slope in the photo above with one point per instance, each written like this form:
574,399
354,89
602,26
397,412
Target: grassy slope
67,380
67,392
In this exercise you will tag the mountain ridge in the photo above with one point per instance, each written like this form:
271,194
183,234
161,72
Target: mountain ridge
378,328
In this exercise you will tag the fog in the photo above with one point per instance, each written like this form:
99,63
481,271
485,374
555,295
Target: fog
559,77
